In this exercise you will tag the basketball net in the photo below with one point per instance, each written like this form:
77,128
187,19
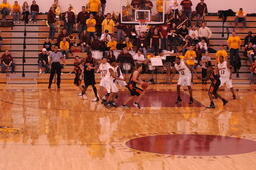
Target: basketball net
142,27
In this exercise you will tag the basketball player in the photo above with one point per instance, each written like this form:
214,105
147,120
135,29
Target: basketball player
103,69
136,93
89,76
225,75
185,78
213,75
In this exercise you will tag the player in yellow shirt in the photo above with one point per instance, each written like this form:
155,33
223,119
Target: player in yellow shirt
91,23
234,43
112,44
5,9
221,52
108,24
16,12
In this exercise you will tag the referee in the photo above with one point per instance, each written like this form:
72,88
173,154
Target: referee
55,58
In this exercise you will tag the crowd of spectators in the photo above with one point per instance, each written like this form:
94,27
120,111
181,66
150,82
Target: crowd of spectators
94,30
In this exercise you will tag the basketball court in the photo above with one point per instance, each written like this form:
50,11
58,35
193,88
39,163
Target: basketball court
57,130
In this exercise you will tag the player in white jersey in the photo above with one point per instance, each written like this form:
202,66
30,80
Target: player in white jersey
225,75
185,78
103,69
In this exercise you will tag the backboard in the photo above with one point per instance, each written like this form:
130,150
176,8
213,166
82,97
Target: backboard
133,11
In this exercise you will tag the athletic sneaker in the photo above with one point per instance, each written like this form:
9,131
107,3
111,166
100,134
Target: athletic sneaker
95,100
212,106
125,106
113,104
136,105
224,102
178,100
84,97
80,94
191,100
234,97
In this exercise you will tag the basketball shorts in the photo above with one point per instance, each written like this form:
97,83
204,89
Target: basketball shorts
134,91
111,87
184,81
226,81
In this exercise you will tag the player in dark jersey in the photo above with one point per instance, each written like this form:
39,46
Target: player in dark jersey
136,92
213,75
89,76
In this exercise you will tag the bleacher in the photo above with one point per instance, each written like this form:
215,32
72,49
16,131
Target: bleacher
37,33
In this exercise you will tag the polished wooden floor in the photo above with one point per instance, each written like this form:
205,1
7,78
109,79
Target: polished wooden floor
43,129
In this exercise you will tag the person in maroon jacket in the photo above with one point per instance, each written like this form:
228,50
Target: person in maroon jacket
34,9
69,20
7,62
163,30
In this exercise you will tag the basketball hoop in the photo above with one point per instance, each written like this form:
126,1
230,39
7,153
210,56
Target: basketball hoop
142,27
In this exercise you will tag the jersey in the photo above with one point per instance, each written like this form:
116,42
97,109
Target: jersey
223,70
119,74
182,69
110,85
103,68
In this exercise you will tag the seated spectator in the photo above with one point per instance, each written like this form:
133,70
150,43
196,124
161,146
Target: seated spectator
64,47
25,12
47,45
5,9
249,39
190,56
111,56
108,24
1,41
112,44
90,24
240,17
193,34
126,60
7,62
221,52
84,37
201,10
205,32
174,40
94,6
63,34
75,43
183,32
105,37
16,11
139,58
142,42
34,9
250,52
128,43
164,30
43,62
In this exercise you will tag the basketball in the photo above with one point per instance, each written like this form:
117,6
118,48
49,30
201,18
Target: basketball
144,85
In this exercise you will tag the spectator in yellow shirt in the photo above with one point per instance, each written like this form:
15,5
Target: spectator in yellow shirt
108,24
64,47
234,43
190,56
128,43
16,12
240,17
94,6
221,52
112,44
90,24
5,9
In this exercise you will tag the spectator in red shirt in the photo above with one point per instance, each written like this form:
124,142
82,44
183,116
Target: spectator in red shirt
7,62
187,7
164,29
